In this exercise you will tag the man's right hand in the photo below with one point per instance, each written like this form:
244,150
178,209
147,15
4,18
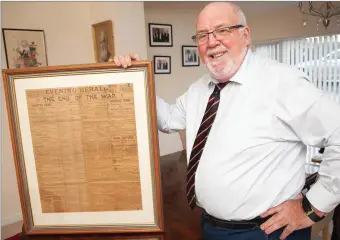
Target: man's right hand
124,61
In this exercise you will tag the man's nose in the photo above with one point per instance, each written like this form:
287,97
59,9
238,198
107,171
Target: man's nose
212,41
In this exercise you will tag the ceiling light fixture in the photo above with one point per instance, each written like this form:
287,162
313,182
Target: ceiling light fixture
325,12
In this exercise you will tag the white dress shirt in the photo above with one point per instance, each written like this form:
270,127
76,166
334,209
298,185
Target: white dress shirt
255,154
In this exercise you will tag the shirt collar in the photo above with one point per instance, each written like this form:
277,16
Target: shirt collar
239,76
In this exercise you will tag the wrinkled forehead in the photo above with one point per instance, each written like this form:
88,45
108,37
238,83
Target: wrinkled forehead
215,17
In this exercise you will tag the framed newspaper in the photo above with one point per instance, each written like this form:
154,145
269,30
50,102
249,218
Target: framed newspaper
85,146
154,236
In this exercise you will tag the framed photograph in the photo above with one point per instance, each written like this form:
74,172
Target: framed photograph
103,42
190,56
160,35
85,147
24,48
162,64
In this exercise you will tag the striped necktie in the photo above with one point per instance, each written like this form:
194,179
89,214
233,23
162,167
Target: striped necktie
201,138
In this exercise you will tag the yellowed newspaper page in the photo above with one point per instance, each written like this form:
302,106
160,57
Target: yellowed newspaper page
85,148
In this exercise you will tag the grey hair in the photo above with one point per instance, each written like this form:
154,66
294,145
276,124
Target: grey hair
241,17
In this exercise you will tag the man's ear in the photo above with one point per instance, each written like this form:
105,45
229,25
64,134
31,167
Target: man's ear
246,35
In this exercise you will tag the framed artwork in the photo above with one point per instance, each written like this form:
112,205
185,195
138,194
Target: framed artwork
160,35
103,42
162,64
190,56
24,48
86,152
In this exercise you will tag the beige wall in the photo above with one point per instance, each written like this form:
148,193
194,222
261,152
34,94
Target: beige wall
285,24
170,86
68,35
282,22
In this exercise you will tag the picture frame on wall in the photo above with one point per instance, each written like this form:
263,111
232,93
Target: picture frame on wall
103,41
83,164
190,56
24,48
160,35
162,64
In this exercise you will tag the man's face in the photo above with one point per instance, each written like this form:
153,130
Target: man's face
222,55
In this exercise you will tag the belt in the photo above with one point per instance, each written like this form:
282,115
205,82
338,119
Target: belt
242,224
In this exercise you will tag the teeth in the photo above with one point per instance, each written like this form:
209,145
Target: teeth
217,55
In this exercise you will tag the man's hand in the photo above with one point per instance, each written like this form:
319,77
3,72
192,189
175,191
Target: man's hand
124,61
289,214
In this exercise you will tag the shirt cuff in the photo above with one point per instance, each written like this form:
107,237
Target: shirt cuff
321,198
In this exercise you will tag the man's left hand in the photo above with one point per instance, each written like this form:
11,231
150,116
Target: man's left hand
290,214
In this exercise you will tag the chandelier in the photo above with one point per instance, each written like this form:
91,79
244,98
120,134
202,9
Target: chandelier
325,12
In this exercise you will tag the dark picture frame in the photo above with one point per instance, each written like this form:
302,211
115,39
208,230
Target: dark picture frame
160,35
162,64
24,48
190,56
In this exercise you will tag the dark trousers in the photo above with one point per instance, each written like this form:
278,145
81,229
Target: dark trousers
216,233
336,224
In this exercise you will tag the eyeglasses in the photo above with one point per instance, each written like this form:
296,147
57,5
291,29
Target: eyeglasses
218,33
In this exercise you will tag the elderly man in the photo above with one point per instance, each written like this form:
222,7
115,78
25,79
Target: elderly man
247,123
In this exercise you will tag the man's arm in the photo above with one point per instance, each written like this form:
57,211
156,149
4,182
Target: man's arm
171,117
314,120
324,195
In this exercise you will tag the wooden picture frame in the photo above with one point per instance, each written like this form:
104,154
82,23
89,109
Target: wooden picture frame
103,41
101,236
190,56
85,145
162,64
24,48
160,35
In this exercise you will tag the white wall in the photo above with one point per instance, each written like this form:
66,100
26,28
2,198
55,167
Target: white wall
68,36
282,21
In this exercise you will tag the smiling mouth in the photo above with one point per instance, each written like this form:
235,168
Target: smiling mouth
216,55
